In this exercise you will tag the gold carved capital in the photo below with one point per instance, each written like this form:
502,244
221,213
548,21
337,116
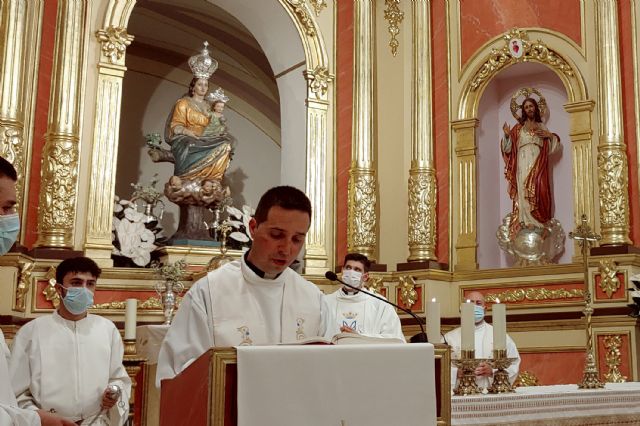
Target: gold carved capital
301,12
24,278
361,226
609,282
613,191
114,42
318,80
394,16
612,344
318,5
422,214
408,293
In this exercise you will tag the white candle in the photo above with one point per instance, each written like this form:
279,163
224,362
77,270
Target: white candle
130,319
499,313
433,321
468,326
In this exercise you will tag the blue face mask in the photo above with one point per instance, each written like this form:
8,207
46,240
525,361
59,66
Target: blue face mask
78,299
9,227
478,313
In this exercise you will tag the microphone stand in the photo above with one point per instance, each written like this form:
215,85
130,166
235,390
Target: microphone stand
418,338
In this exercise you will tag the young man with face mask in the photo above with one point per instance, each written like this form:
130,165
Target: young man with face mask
70,362
351,311
483,346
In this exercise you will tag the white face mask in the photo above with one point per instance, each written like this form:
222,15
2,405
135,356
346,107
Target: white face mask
352,277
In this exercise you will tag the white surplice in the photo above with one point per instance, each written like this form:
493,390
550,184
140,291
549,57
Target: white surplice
10,413
233,306
364,314
65,366
483,349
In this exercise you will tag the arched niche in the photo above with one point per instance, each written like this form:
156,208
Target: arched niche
558,55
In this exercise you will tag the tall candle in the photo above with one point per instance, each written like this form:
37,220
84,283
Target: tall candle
468,326
130,319
433,321
499,313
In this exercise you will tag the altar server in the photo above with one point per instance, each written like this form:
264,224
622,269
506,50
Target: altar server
69,362
483,346
351,311
257,300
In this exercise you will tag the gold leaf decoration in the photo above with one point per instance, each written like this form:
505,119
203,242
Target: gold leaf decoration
394,16
613,343
318,5
50,293
533,294
24,278
609,282
526,378
300,10
114,42
408,293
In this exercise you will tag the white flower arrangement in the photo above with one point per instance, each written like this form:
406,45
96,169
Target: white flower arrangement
240,237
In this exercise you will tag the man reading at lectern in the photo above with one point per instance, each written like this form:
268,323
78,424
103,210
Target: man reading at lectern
483,346
257,300
351,311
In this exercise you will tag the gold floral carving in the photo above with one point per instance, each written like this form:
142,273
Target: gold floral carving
394,16
318,5
303,15
613,343
11,149
362,212
24,278
50,293
609,282
534,294
408,293
375,284
526,378
422,214
318,79
114,42
612,173
537,51
152,303
59,178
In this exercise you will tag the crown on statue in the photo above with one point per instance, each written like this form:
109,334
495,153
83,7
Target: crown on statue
218,96
203,65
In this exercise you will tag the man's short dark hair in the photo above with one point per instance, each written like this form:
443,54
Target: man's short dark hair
77,264
357,257
286,197
7,169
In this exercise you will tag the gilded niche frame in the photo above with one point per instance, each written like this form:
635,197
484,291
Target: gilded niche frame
485,65
113,40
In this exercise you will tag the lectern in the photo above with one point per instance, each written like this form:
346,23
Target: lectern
207,392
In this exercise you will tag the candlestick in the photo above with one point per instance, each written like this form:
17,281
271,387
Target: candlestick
433,321
468,326
499,313
130,319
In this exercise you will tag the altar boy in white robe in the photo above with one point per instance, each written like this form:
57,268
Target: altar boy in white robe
70,362
257,300
483,346
351,311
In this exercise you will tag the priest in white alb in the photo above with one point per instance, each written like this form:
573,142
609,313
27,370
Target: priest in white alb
70,362
257,300
351,311
483,346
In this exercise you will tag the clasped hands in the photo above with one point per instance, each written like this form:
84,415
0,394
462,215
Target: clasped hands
482,370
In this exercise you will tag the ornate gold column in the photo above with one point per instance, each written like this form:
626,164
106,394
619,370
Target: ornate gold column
363,185
612,158
422,175
465,199
19,36
57,204
114,42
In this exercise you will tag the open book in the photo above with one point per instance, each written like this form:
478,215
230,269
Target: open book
345,339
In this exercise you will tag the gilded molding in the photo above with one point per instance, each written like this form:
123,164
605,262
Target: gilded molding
318,81
533,294
532,51
422,214
614,198
394,17
25,268
114,42
408,293
361,227
612,344
150,304
609,282
301,12
318,5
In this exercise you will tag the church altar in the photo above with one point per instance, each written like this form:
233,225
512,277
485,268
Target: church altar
559,405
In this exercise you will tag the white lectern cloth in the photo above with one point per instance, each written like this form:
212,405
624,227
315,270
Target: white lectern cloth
352,385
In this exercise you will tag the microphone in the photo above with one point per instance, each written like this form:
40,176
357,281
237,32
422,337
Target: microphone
418,338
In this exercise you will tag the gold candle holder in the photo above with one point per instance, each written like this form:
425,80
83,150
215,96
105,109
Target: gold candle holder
467,383
500,362
130,347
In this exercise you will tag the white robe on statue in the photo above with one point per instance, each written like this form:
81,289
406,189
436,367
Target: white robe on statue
364,314
10,413
483,349
65,366
233,306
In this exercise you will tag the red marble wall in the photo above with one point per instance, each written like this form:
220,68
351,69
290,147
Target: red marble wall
481,20
554,368
344,118
40,122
